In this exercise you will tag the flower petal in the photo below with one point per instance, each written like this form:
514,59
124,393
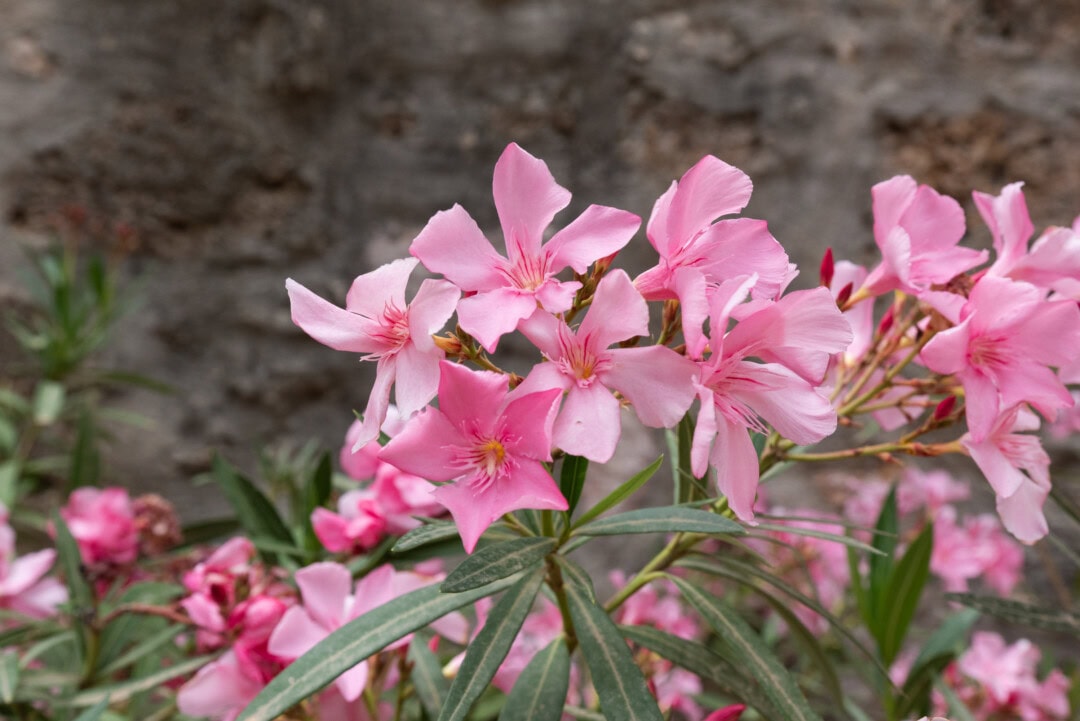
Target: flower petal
471,399
430,309
708,190
736,464
658,382
528,420
425,447
453,244
597,233
295,634
371,292
416,378
617,312
325,588
527,199
589,423
330,325
490,315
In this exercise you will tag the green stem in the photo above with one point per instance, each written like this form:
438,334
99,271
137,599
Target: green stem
555,582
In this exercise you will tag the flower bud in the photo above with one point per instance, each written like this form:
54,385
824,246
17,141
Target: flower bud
827,268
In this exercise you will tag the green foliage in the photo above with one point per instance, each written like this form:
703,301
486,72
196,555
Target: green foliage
669,519
497,561
540,689
572,481
620,494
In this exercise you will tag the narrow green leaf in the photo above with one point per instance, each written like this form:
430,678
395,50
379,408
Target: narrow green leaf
316,492
422,536
142,649
356,641
621,493
9,675
775,681
539,692
572,480
79,595
487,651
211,530
940,649
130,627
48,402
95,712
881,564
583,714
699,660
1051,619
688,488
670,519
902,594
118,692
9,482
256,513
814,533
45,646
623,692
85,466
575,575
427,677
858,586
497,561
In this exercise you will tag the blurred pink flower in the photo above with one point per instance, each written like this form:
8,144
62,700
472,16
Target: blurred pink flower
103,524
222,688
23,585
500,291
976,549
658,383
377,322
491,444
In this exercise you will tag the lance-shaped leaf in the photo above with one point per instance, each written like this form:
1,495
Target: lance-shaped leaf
621,493
487,651
316,492
9,675
623,692
356,641
572,480
427,677
422,536
119,692
497,561
95,712
669,519
881,565
688,488
540,690
774,679
256,513
938,652
902,594
1051,619
697,659
815,533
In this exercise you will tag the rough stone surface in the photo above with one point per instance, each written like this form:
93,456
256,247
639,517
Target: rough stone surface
239,142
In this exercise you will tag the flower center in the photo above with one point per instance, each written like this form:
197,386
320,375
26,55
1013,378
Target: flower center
527,273
393,330
986,352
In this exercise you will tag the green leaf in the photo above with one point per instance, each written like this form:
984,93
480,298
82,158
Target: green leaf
79,594
670,519
142,649
620,494
539,691
211,530
623,692
572,480
497,561
356,641
316,492
858,586
902,594
814,533
422,536
699,660
131,627
427,676
1051,619
888,527
940,649
775,681
85,467
487,651
256,513
9,482
48,402
9,675
575,575
95,712
118,692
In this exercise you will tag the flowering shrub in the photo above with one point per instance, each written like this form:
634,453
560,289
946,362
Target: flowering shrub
350,606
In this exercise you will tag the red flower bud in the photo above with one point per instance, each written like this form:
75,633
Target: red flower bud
945,408
827,268
844,295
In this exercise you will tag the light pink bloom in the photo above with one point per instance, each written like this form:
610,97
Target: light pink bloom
977,549
796,337
216,576
103,524
1007,338
697,254
1068,421
1001,682
1054,257
656,605
658,382
502,291
358,525
222,688
917,231
931,490
1018,469
860,316
23,586
377,322
491,445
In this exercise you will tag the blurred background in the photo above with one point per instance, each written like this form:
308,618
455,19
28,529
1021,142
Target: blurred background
215,147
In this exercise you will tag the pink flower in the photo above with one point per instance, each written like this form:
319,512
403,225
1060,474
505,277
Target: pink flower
795,336
358,525
1001,683
697,254
1001,350
917,231
222,688
23,586
103,524
657,381
377,322
978,549
859,316
1018,470
931,490
502,291
491,445
217,575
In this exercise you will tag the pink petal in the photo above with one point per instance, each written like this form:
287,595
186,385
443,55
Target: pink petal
555,296
417,378
691,287
1002,475
527,199
371,292
545,332
658,382
430,309
527,423
378,402
332,326
982,404
331,530
42,599
946,352
589,423
736,464
351,683
217,689
597,233
1054,257
933,221
787,402
203,611
999,303
425,447
704,433
657,228
325,588
1021,513
26,570
452,244
490,315
740,247
890,199
617,312
544,376
708,190
656,283
296,634
1051,336
471,399
1010,224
